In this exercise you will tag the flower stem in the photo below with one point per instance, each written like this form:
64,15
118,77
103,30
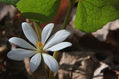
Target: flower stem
38,30
72,2
55,55
51,75
43,67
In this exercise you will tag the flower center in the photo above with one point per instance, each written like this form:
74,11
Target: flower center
39,47
39,44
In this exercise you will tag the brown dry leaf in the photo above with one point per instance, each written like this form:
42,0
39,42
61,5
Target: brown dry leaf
102,33
98,72
5,10
76,65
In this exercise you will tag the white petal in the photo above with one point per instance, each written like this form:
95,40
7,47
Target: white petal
59,46
57,38
46,32
20,54
21,43
35,62
29,33
51,62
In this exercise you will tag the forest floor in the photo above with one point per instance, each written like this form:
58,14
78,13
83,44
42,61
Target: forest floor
92,56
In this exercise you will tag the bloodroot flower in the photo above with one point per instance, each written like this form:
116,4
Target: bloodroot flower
38,49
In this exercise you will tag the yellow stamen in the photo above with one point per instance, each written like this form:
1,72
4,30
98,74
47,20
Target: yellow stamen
39,47
39,44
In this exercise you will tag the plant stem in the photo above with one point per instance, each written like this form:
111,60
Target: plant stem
38,30
72,2
44,69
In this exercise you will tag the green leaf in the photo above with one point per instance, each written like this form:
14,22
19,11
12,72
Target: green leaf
93,14
11,2
39,10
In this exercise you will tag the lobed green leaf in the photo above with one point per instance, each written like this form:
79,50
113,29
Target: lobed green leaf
93,14
39,10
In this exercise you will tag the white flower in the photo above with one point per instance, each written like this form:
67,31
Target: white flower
39,48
